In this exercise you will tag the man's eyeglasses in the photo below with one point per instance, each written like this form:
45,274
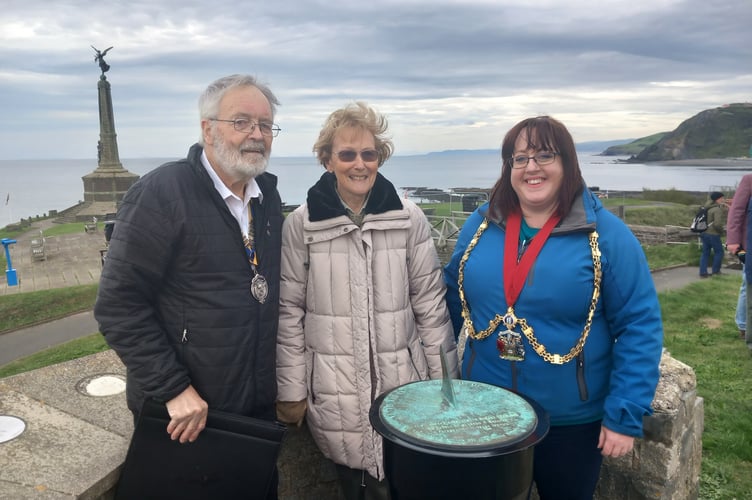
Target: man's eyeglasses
348,155
248,126
541,158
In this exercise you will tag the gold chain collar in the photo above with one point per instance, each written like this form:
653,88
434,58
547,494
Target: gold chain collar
511,320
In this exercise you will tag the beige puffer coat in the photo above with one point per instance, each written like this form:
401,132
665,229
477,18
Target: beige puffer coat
361,311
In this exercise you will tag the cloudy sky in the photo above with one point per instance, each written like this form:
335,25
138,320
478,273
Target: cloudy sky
448,74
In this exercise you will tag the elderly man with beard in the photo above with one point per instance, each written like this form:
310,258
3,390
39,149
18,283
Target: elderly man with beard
188,297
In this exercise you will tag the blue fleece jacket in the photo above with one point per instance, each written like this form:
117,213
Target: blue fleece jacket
619,370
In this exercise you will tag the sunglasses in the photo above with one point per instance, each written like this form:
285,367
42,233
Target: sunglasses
349,155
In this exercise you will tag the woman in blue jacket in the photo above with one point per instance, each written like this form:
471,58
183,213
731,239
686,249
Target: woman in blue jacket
551,296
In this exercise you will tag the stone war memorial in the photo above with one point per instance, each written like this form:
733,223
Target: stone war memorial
105,187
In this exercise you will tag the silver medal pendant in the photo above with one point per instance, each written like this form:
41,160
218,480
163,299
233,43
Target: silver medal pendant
509,344
259,288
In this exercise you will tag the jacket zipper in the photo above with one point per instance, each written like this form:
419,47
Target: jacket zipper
581,385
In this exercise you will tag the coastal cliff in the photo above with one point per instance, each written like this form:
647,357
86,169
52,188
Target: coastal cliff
723,132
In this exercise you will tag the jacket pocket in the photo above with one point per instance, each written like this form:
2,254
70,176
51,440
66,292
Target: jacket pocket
469,363
581,384
310,378
183,336
419,363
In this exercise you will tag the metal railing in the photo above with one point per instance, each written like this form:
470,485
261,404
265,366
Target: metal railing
444,229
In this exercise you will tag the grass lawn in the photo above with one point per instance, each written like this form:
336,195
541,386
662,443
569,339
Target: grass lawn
26,309
73,349
700,331
69,228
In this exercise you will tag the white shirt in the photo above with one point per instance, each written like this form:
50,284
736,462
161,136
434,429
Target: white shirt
238,208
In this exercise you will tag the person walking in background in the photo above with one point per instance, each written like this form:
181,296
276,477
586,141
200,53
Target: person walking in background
738,239
362,306
711,238
188,297
551,296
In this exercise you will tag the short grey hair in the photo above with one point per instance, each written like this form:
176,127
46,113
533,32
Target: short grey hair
208,102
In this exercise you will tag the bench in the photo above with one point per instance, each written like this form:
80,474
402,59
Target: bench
38,250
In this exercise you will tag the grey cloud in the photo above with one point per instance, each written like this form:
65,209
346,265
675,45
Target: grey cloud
476,62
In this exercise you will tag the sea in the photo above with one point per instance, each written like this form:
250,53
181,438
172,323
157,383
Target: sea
31,188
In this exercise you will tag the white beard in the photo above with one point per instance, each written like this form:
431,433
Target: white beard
233,162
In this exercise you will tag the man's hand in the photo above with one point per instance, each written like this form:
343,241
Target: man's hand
613,444
187,415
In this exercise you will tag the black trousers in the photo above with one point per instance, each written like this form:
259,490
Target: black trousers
567,462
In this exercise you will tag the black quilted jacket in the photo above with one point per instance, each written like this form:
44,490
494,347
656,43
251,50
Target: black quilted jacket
174,297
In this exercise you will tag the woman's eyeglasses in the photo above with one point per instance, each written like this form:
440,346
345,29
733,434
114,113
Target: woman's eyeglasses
541,158
367,155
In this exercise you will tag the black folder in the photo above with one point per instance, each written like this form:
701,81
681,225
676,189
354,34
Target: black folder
233,457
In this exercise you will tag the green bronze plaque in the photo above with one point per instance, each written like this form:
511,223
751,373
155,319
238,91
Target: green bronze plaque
483,415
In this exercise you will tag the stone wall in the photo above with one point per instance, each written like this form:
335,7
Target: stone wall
651,235
666,463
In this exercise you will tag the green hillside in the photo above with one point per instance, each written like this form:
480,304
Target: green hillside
634,147
724,132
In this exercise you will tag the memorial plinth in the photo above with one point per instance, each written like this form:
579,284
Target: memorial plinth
479,447
107,186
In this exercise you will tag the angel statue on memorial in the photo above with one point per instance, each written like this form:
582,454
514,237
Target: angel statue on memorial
99,58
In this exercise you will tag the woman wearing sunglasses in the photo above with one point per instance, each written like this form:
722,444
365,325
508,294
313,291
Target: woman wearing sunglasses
362,306
551,296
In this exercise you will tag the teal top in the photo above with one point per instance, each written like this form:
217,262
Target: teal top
527,232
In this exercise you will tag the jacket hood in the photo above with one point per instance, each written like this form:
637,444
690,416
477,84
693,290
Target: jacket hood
581,217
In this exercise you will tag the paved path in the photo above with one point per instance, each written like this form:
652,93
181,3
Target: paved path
20,343
72,259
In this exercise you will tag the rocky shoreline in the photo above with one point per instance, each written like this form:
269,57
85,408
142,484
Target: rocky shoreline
742,163
726,163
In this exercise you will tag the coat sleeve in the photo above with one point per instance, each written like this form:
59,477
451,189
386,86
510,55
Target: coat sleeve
138,257
738,212
427,295
291,367
633,314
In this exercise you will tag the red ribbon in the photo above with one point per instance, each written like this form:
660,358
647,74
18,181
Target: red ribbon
515,272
